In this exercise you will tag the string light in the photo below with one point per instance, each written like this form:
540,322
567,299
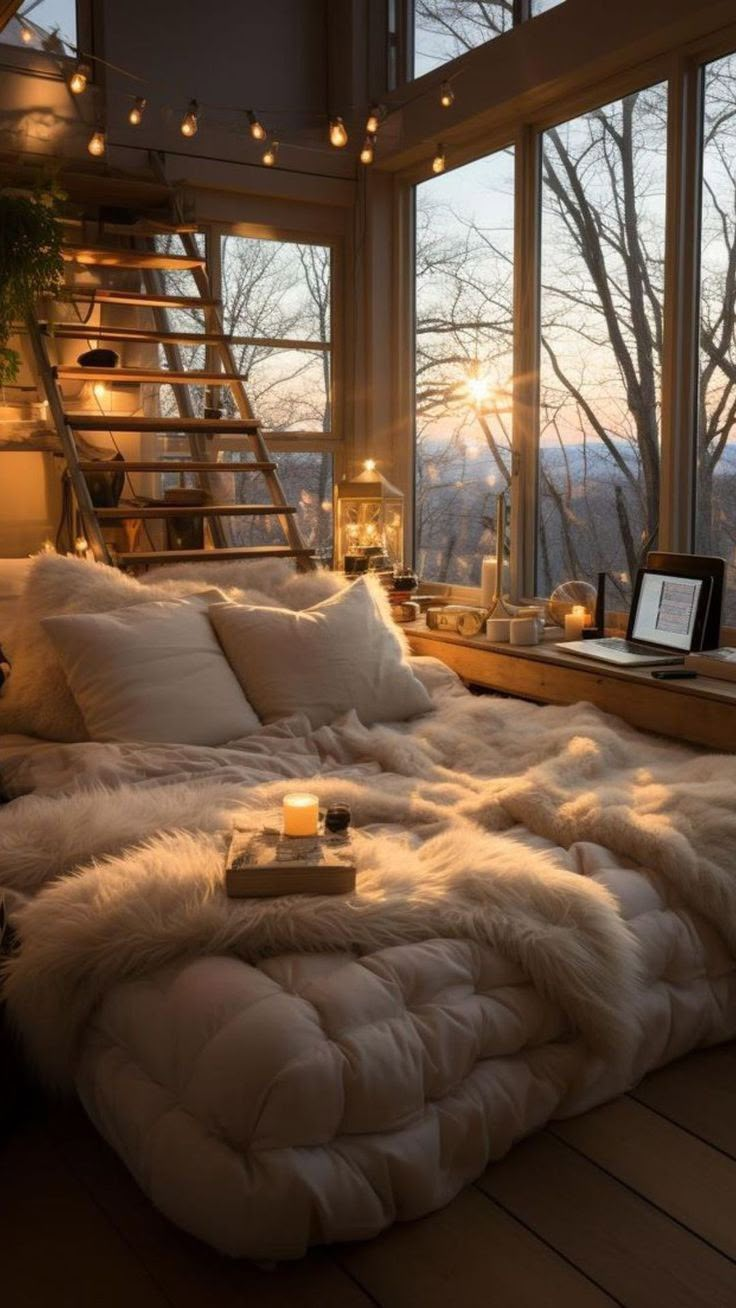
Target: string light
338,133
366,154
369,465
439,161
447,95
257,130
189,123
96,143
26,35
136,111
374,119
79,79
270,154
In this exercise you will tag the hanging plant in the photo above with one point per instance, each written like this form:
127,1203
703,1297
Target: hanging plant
30,265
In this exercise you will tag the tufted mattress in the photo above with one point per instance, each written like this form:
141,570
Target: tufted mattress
315,1098
320,1071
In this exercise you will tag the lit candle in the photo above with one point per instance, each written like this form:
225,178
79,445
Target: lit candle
301,815
575,621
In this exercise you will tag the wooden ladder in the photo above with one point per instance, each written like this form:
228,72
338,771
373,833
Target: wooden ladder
140,254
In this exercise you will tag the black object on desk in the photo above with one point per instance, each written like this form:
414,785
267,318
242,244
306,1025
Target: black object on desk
674,674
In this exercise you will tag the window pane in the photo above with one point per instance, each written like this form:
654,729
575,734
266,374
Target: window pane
276,291
444,29
541,6
716,486
51,25
603,229
464,289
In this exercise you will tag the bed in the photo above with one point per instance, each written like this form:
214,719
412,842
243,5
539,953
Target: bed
545,912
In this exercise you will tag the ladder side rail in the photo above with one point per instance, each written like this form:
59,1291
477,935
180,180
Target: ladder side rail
289,526
92,529
200,451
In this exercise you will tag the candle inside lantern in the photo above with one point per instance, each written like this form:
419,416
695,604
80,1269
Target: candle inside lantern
301,815
575,621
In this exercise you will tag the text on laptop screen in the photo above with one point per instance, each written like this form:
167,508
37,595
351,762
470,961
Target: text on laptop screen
667,609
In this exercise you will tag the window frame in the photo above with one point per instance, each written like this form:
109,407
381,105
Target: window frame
681,68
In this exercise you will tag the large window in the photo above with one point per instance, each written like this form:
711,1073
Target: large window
716,426
49,25
602,272
464,292
444,29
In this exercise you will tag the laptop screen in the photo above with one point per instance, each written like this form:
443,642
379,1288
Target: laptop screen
667,610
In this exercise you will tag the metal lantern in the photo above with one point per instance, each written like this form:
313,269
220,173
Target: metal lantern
369,522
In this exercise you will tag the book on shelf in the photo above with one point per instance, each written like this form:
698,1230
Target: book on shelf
263,863
718,663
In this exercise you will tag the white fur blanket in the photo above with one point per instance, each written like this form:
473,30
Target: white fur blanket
130,872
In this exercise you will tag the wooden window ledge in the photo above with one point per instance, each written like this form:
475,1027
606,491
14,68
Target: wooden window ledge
702,711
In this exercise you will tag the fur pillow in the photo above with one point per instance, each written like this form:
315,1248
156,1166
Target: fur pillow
37,700
345,653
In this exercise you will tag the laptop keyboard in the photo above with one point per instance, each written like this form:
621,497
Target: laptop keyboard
626,646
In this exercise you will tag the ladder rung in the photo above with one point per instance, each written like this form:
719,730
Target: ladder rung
172,465
142,298
139,226
194,511
207,556
100,256
117,422
152,376
81,333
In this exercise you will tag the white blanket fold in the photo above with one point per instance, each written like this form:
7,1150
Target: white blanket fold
431,802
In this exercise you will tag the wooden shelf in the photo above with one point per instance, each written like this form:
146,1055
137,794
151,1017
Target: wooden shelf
112,257
702,711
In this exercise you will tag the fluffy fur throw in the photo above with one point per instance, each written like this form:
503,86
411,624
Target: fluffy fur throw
148,857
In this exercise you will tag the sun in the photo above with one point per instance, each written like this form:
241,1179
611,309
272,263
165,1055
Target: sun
479,388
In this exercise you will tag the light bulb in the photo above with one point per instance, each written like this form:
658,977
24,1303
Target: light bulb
79,79
270,154
189,122
374,119
26,35
447,95
338,133
369,465
99,390
136,111
366,154
81,546
96,143
438,163
257,130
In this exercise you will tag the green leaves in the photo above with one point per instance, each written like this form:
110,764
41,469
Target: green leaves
31,264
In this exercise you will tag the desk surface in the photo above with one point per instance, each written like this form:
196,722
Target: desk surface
702,710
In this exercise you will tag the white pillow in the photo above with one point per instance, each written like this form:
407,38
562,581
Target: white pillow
344,653
151,672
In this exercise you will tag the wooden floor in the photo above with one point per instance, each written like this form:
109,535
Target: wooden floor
633,1204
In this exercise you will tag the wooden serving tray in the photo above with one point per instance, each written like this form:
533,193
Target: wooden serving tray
265,864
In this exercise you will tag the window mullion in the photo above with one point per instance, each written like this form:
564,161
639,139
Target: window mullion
524,473
681,308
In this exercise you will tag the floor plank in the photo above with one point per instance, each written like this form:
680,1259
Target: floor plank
636,1253
688,1179
190,1274
57,1248
699,1093
468,1255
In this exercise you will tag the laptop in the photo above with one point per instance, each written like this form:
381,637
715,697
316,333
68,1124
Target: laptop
666,622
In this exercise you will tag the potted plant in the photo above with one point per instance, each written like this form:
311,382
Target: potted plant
31,264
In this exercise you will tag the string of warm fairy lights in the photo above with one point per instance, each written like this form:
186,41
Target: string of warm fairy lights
337,132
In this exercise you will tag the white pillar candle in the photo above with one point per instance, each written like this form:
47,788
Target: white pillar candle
301,815
488,571
575,621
